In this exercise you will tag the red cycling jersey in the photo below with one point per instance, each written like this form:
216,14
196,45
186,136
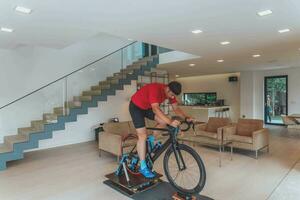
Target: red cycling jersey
149,94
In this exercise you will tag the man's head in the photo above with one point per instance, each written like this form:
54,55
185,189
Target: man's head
173,89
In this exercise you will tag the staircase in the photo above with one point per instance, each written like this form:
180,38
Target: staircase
28,137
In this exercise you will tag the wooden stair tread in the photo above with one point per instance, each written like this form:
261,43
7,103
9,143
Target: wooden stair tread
82,98
4,148
91,93
29,130
15,138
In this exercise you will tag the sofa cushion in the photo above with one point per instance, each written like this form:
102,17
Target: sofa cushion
129,142
214,123
239,138
150,123
207,134
245,127
120,128
131,128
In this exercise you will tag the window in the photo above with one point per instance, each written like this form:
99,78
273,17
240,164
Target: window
276,99
199,98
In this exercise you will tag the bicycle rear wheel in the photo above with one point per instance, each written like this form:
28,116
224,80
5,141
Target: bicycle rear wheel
188,175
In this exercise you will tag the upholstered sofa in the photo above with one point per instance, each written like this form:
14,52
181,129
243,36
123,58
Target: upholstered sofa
208,133
119,137
247,134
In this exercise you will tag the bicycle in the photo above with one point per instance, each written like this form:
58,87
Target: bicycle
180,162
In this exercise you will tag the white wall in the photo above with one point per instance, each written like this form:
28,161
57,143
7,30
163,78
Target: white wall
28,68
254,108
247,101
230,91
175,56
80,131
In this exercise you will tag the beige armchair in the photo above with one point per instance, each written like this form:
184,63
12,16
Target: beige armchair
120,137
247,134
116,138
290,122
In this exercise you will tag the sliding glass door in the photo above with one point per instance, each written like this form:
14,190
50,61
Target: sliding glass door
276,98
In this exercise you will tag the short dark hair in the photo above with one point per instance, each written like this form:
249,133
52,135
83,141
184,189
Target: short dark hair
175,87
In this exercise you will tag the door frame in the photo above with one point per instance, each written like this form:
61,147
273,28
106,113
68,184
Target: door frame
265,97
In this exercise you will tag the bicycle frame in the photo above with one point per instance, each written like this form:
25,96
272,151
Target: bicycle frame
172,141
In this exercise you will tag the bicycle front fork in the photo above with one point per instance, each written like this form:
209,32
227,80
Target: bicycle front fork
178,156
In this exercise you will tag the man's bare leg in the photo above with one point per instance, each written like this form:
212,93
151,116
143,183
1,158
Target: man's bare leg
141,143
160,124
142,137
141,149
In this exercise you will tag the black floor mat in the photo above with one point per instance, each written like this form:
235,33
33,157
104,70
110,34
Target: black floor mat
162,191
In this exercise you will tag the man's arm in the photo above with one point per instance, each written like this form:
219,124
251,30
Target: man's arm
156,109
179,112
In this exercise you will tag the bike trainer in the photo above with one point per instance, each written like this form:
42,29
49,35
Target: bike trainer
140,188
129,184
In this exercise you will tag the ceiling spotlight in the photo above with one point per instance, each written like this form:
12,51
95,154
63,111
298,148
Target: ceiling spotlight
220,61
255,55
225,43
284,30
197,31
192,65
264,13
8,30
23,10
176,75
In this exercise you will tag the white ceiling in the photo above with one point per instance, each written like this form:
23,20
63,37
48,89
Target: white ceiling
59,23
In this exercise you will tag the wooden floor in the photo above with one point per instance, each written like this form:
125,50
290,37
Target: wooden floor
76,172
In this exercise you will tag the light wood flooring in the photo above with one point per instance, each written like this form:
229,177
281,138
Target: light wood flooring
76,172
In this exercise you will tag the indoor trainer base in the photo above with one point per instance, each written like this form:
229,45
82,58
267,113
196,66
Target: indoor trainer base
135,185
137,189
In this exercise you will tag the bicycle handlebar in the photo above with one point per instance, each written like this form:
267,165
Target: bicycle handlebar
173,129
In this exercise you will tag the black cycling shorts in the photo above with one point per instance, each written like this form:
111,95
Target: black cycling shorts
138,115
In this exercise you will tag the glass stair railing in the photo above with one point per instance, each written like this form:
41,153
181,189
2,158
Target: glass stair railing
33,117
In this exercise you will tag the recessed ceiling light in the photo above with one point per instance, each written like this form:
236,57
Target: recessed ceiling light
255,55
4,29
220,61
225,43
284,30
130,39
265,12
23,10
197,31
192,65
176,75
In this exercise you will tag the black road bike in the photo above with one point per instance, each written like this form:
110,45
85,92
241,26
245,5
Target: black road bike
183,166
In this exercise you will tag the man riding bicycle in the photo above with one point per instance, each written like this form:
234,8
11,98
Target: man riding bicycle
146,103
